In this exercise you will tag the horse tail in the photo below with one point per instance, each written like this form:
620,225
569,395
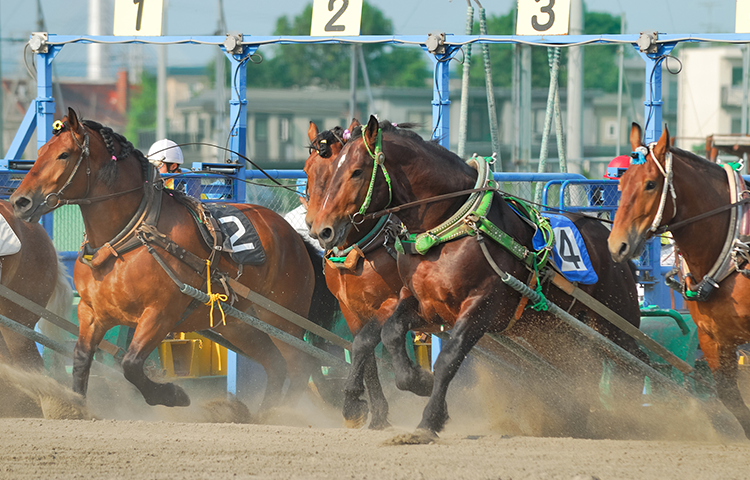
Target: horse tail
324,308
61,301
61,304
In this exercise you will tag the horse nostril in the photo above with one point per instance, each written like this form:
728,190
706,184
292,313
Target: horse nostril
623,249
326,234
22,203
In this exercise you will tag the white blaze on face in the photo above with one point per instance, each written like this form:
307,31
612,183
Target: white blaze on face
341,162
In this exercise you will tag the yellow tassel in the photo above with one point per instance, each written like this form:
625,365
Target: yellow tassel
214,297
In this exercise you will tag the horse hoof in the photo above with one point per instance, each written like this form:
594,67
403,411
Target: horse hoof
419,437
422,386
379,424
355,413
169,395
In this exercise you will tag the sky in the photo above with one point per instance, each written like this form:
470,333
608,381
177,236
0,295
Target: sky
409,17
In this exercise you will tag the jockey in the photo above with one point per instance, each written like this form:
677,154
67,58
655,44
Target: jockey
167,157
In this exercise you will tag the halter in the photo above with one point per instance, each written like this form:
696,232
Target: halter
85,152
379,161
668,184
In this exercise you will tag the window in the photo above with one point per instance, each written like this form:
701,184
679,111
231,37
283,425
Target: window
736,125
610,129
261,128
736,76
285,129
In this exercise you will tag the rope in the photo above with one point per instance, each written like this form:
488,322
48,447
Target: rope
214,297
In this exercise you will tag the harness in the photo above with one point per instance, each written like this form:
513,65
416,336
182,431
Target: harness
383,234
734,256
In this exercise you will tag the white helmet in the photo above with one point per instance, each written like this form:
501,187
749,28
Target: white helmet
165,151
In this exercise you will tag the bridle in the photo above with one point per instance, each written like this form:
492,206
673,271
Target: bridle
668,186
54,200
378,161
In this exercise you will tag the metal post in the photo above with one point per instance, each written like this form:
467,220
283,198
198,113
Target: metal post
621,69
525,100
440,95
653,102
366,79
45,102
575,87
353,83
745,82
491,108
238,115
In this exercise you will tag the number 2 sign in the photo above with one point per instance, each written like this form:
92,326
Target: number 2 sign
336,18
138,18
543,17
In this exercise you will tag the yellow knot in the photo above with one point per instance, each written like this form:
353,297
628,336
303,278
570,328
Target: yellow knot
214,297
57,125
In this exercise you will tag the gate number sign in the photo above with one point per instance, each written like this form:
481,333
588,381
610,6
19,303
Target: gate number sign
138,18
543,17
336,18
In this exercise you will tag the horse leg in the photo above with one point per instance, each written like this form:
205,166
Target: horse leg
148,334
258,346
722,358
363,351
470,326
90,333
409,377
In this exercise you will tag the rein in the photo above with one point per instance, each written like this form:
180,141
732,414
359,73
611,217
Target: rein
682,223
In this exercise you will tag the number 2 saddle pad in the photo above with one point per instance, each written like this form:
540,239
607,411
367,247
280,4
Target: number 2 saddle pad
242,239
570,254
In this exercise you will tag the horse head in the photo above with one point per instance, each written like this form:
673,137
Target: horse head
324,148
81,160
643,198
352,187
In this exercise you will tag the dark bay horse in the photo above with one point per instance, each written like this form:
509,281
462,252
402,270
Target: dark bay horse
98,169
452,285
37,273
367,292
697,188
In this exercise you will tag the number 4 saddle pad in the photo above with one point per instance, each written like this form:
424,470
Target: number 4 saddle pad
570,254
241,238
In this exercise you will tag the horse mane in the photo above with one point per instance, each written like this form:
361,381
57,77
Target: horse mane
109,172
697,161
405,130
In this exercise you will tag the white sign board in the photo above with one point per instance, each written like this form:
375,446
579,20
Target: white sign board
543,17
340,18
742,17
138,18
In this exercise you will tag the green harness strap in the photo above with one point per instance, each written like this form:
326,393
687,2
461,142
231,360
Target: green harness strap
338,256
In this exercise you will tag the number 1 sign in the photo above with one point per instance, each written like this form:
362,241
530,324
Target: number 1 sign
138,18
543,17
336,18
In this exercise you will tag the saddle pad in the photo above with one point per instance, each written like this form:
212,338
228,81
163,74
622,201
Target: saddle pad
9,242
570,254
246,248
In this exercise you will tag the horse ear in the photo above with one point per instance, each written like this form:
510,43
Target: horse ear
635,136
371,132
312,131
73,121
355,123
662,146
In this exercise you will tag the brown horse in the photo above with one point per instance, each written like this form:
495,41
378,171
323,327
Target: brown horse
452,285
367,292
88,164
35,272
697,188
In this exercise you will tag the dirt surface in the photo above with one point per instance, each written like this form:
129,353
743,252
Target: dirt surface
502,436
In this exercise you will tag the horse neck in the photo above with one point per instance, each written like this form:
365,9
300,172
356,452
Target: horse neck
106,218
423,174
700,191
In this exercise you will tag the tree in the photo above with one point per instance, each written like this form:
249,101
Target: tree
142,109
329,65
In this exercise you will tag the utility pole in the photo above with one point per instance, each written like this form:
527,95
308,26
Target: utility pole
575,89
220,98
161,82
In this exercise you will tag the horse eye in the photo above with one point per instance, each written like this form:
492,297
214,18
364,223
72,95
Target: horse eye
357,173
63,156
650,185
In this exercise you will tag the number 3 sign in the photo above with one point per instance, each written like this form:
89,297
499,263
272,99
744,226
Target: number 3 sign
543,17
336,18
